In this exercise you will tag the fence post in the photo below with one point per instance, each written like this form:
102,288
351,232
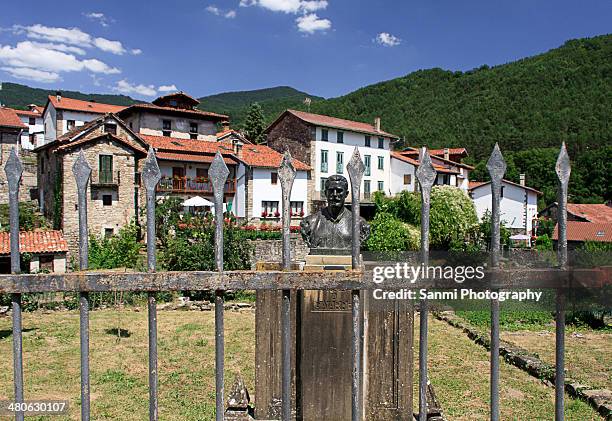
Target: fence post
356,169
497,168
82,173
426,175
218,173
563,170
286,174
151,175
13,170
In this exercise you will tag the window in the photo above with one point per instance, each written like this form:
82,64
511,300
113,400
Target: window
32,121
32,138
381,162
70,124
366,188
274,177
201,173
339,162
108,232
407,178
131,125
368,164
367,141
269,208
340,137
193,130
297,208
381,186
324,166
105,169
324,135
502,192
166,127
323,181
381,143
107,199
110,128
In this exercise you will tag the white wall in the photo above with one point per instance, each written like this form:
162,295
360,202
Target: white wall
513,204
78,117
38,128
398,169
240,199
352,139
264,190
49,124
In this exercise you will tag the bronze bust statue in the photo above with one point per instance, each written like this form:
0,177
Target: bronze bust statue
328,231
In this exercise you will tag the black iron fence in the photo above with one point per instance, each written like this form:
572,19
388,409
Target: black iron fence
219,281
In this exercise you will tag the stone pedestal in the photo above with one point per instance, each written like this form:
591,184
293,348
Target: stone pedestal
321,358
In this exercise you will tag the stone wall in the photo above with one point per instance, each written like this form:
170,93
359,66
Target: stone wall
272,250
292,134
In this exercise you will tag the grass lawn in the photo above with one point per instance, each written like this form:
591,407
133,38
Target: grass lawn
458,368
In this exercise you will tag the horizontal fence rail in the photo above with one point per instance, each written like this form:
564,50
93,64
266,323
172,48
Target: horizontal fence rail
357,279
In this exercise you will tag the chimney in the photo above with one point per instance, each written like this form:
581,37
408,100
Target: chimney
238,148
377,124
446,154
225,126
32,107
58,95
522,179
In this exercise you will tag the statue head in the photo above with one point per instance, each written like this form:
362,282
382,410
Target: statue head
336,190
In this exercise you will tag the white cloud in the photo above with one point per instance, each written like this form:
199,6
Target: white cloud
247,3
314,5
230,14
114,47
124,87
71,36
99,17
136,51
285,6
312,23
167,88
60,47
27,54
388,40
32,74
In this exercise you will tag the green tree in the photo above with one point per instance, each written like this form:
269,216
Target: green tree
119,251
254,124
390,234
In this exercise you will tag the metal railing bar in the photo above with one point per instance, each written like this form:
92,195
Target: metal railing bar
426,175
82,175
218,173
356,169
151,175
13,170
286,173
563,170
496,166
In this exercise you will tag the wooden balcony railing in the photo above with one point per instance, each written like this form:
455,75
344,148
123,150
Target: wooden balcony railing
192,185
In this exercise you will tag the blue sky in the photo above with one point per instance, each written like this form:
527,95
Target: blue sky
327,48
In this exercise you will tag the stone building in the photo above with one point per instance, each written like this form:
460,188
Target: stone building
11,128
113,151
47,251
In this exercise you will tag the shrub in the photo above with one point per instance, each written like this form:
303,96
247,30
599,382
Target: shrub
544,243
119,251
29,218
390,234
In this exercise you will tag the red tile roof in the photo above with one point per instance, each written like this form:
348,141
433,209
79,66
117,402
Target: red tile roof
172,110
203,158
179,94
28,113
338,123
586,231
416,163
600,213
476,184
83,106
35,242
192,150
9,118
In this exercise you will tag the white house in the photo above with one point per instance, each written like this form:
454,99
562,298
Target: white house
326,144
62,114
35,135
518,204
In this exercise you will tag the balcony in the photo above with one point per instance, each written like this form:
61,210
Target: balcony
105,178
192,185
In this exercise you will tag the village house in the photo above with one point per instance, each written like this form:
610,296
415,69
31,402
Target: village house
11,128
62,115
46,249
326,144
35,134
518,204
585,222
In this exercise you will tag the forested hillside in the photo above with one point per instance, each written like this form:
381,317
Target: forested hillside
19,96
273,101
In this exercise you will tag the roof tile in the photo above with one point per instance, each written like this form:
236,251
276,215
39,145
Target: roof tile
9,118
83,106
586,231
35,242
339,123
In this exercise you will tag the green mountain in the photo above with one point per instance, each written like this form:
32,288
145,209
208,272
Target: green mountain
19,96
273,101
